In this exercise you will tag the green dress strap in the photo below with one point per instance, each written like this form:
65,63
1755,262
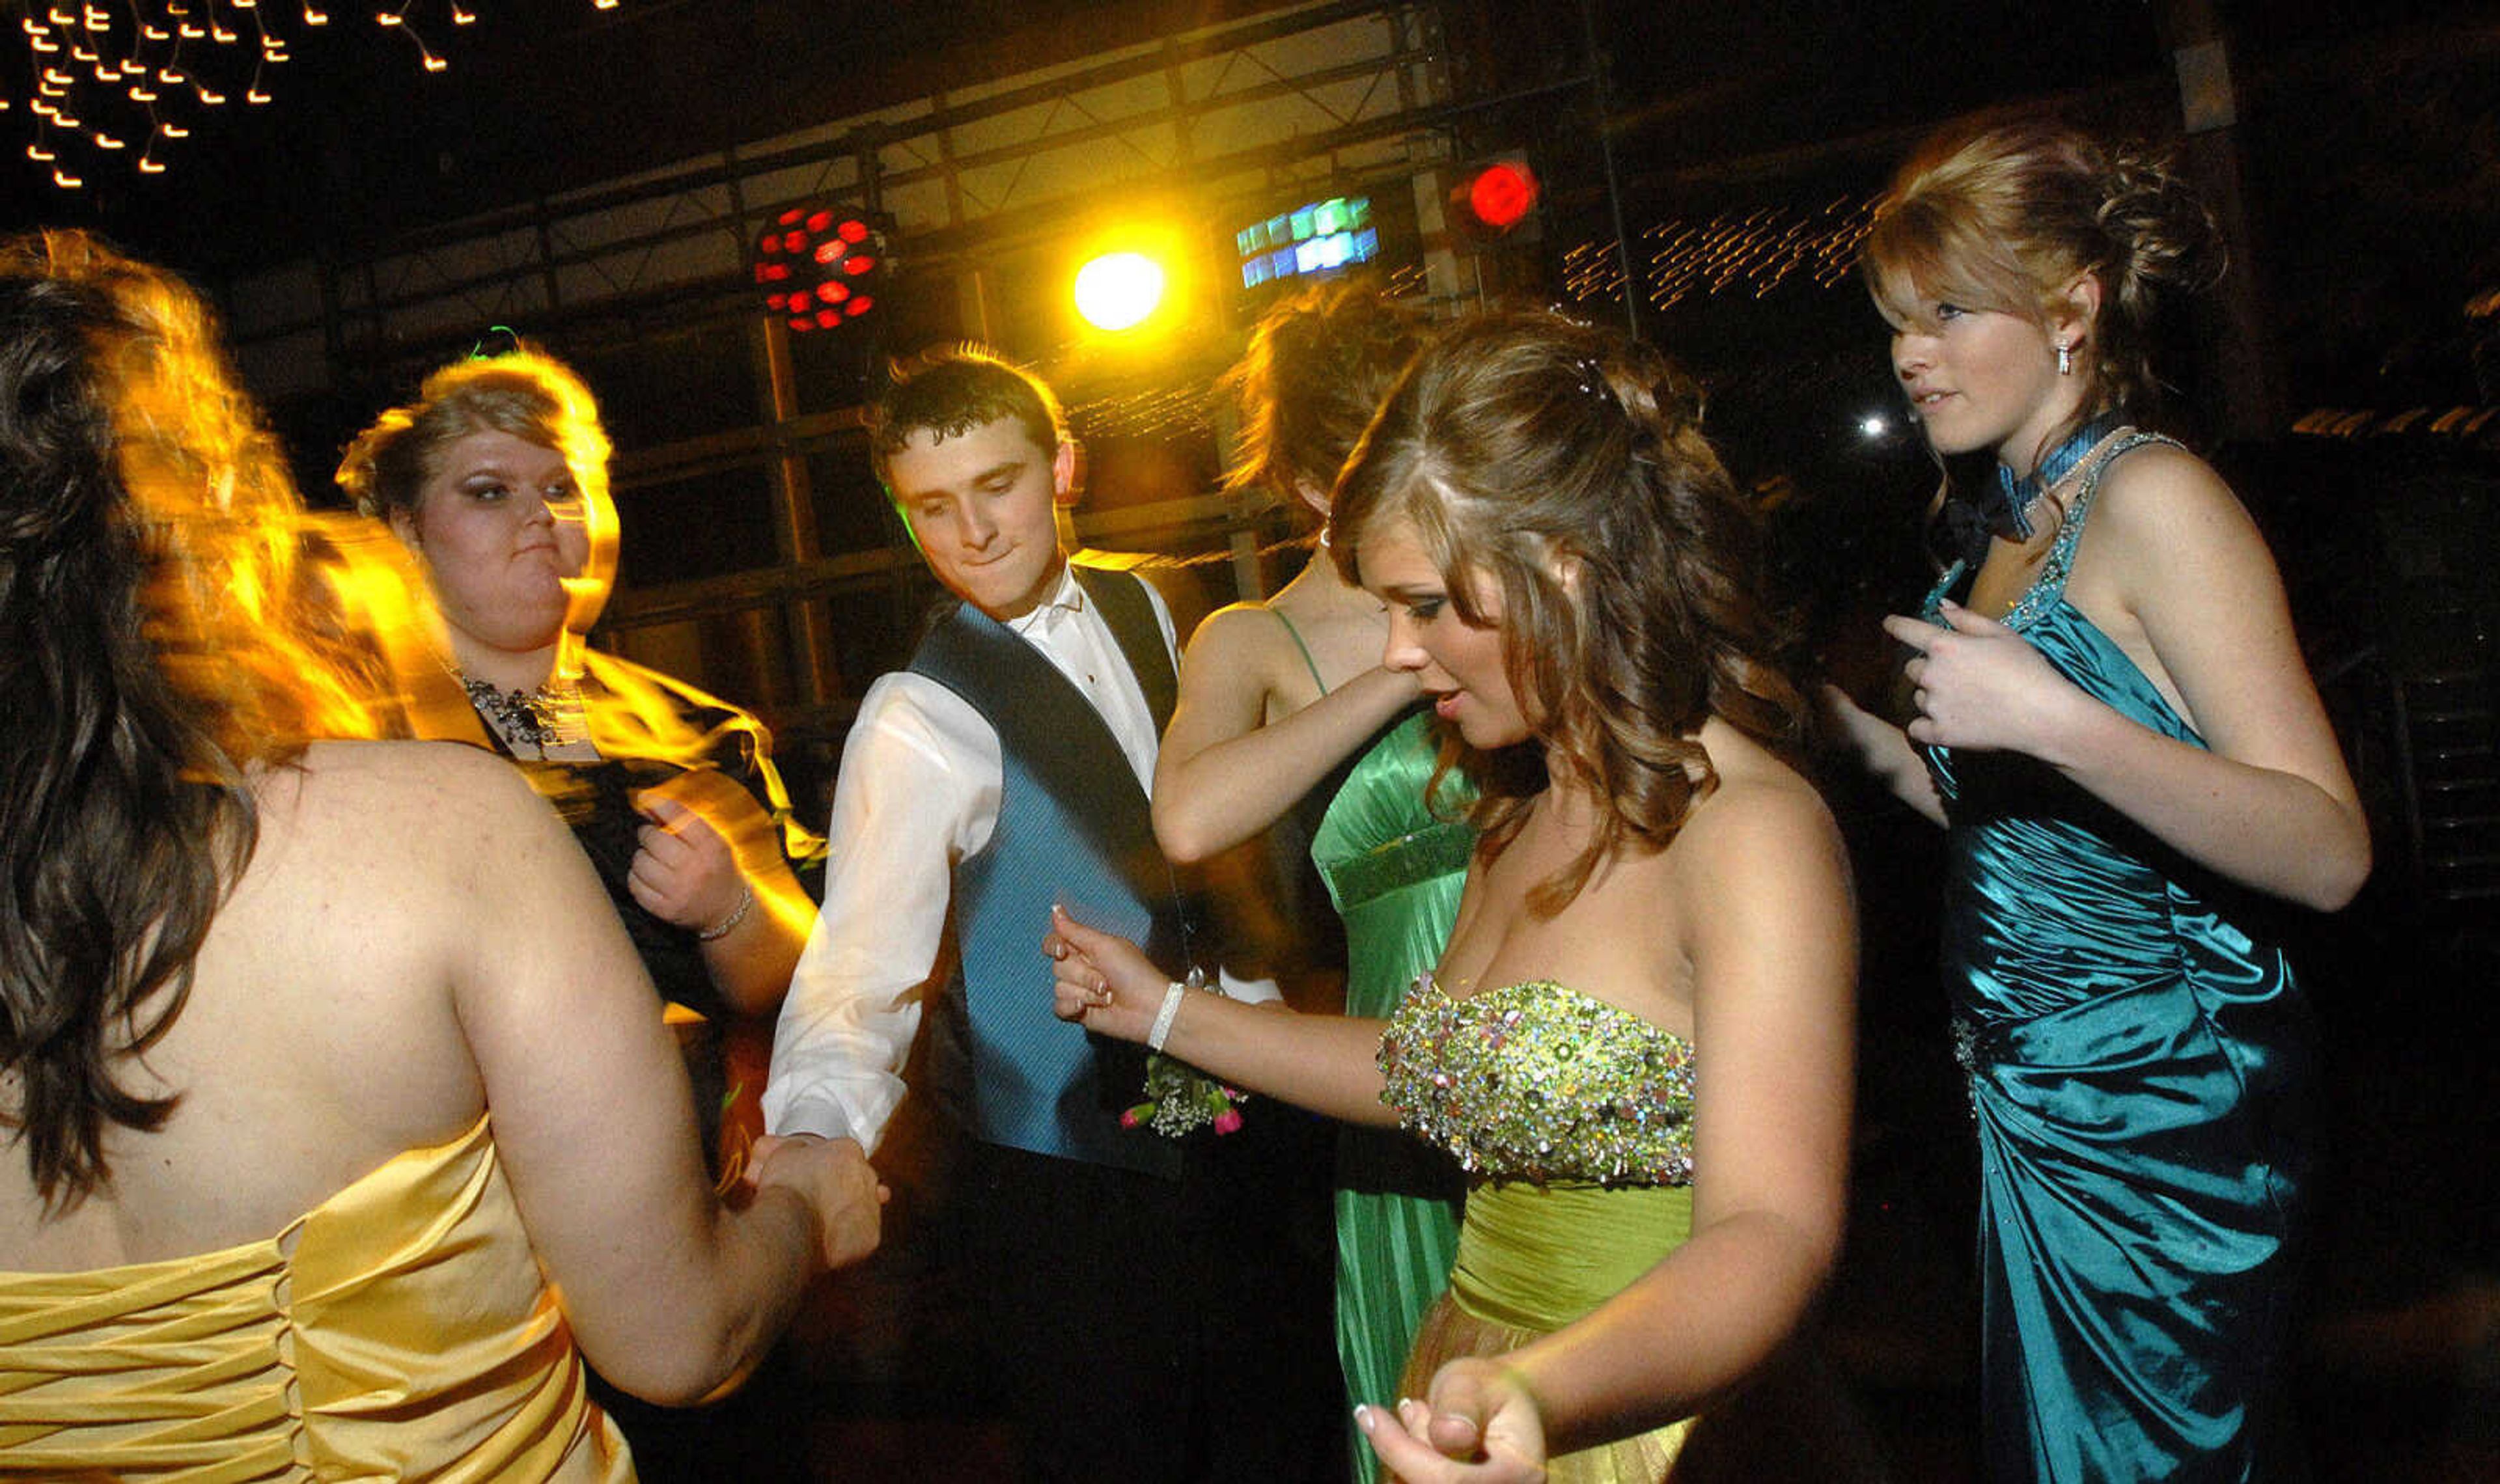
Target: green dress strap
1297,636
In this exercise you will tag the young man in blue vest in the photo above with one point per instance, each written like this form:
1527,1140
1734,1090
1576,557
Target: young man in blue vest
1125,1294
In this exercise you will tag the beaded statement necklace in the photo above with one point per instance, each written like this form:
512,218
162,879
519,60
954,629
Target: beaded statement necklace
546,719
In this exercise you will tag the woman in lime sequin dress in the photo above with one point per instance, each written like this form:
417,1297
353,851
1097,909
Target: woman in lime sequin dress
1569,573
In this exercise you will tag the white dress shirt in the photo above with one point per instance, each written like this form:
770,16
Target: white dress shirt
919,792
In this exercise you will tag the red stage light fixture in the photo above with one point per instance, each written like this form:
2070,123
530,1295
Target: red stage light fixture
833,254
1494,199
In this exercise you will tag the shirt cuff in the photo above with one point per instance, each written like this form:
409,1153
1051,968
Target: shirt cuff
817,1113
1248,991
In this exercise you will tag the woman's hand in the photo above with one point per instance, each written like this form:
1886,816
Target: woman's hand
1983,687
1480,1426
1102,981
684,872
833,1175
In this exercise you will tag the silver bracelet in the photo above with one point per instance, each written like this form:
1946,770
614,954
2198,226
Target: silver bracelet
1173,994
737,915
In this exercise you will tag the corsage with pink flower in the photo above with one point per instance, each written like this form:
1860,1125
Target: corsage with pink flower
1179,1099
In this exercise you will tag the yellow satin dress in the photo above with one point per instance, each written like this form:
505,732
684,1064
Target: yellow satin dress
1574,1120
401,1330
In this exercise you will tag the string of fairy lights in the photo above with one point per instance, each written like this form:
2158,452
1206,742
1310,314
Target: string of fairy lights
1756,250
120,83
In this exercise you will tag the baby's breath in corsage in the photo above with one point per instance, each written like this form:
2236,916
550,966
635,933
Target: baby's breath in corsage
1180,1099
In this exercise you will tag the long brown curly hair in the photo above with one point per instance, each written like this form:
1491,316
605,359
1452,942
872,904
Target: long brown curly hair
1567,464
166,628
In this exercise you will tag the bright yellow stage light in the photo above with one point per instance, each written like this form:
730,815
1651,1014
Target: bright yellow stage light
1118,290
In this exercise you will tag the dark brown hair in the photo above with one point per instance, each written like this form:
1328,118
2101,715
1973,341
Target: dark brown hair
162,633
1565,463
951,390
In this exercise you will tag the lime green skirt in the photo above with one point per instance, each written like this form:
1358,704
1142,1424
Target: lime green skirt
1531,1260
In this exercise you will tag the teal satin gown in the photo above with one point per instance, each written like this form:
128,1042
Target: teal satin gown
1395,873
2137,1051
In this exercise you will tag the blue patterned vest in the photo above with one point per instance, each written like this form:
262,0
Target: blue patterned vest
1072,828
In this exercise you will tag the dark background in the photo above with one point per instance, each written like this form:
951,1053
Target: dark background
2368,152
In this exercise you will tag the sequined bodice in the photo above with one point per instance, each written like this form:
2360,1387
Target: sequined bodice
1536,1081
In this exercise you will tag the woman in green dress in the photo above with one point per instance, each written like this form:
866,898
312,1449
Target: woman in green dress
1289,724
1569,573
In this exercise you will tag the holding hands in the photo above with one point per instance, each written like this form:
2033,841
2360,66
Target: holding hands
1480,1426
1980,686
833,1175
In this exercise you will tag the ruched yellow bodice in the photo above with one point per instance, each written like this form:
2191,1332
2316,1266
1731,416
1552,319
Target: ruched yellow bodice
401,1330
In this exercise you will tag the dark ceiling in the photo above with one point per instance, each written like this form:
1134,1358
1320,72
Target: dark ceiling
2370,136
360,141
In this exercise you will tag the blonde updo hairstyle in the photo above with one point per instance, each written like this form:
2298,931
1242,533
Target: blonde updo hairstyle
526,392
2003,212
1566,465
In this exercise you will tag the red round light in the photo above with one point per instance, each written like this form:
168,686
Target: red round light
829,317
762,273
772,242
802,299
860,304
853,230
1503,194
777,301
827,250
789,216
776,271
859,265
820,220
833,293
801,323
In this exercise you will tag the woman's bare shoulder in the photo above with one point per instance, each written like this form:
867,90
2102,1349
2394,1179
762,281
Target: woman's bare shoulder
2159,495
1241,649
1762,815
1239,633
403,797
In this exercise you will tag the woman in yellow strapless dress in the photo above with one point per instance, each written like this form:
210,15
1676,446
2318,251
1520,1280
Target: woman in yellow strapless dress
324,1065
1570,573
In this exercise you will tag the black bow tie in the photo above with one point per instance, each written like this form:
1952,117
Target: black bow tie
2001,506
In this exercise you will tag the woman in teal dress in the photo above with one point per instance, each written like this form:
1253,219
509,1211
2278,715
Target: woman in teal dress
1568,572
2118,732
1289,724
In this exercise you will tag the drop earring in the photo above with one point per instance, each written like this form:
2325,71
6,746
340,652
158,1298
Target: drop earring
2065,360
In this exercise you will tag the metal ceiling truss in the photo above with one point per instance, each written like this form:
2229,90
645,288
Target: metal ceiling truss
1316,91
